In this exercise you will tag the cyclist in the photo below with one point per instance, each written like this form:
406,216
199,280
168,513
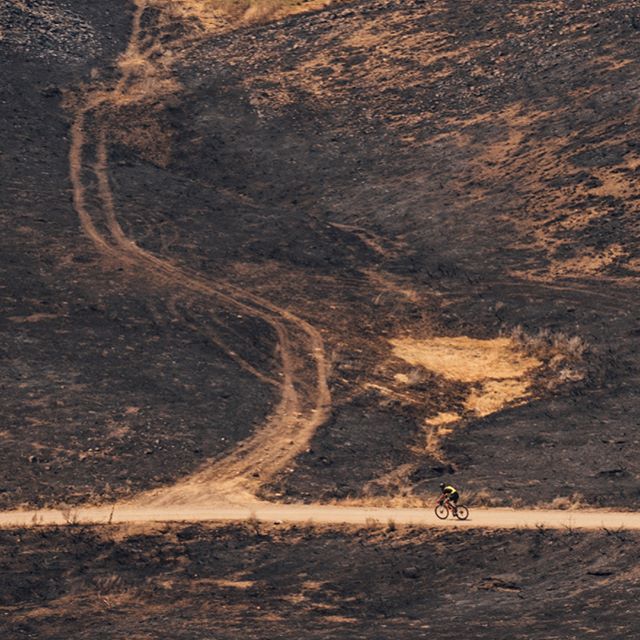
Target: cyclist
449,494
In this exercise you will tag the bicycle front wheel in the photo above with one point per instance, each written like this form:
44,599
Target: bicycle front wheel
462,513
442,512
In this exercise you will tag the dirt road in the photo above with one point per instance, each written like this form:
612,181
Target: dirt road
325,514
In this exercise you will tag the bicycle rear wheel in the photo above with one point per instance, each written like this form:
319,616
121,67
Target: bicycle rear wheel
462,513
442,512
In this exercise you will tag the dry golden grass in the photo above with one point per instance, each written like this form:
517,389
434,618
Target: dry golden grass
570,503
394,501
263,10
504,372
494,395
481,498
466,359
443,418
254,10
216,14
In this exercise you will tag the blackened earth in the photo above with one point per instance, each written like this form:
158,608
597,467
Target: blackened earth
197,582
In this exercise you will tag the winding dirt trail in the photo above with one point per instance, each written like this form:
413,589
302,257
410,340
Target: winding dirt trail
325,515
305,398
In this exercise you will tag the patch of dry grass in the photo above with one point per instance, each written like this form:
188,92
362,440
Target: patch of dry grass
498,373
482,498
249,10
213,14
465,359
264,10
406,501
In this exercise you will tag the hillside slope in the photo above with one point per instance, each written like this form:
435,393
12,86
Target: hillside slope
214,229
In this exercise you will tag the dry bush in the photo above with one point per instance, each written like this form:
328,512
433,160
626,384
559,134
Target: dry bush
70,516
566,503
547,345
253,524
415,376
482,498
563,356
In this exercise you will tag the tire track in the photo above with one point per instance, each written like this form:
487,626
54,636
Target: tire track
612,300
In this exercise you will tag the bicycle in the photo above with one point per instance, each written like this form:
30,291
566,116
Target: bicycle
443,508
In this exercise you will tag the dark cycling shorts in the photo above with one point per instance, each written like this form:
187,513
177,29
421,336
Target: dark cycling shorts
453,497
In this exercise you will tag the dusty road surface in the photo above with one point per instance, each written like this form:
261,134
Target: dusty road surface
327,514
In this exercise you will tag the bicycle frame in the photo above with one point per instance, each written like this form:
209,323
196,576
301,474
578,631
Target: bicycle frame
452,507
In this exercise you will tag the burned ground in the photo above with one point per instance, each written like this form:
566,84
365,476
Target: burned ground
379,168
376,582
371,172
